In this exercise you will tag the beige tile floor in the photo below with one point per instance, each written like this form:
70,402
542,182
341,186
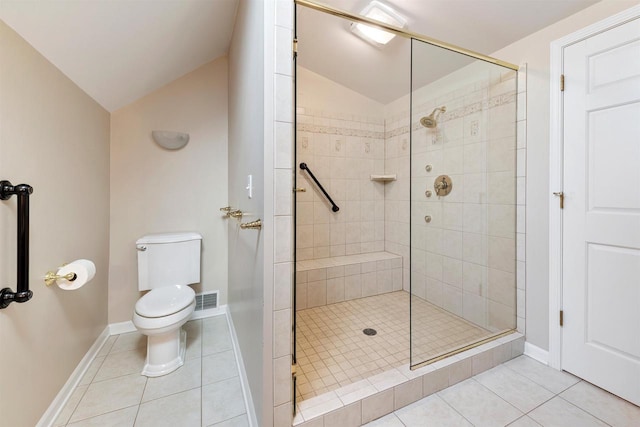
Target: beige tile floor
519,393
332,350
206,391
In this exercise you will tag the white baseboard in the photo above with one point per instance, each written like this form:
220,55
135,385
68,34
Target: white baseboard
121,328
56,406
210,312
535,352
244,381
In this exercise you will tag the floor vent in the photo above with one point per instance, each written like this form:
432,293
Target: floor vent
207,300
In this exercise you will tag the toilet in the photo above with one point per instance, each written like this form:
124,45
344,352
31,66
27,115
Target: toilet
167,264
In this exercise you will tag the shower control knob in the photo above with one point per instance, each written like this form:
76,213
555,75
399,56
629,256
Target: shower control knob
428,168
427,218
443,185
428,193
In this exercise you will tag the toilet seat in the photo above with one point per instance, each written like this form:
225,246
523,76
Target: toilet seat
165,301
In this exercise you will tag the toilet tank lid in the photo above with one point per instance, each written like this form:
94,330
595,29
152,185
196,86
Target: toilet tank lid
168,238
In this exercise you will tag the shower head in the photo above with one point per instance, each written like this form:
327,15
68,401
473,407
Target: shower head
431,121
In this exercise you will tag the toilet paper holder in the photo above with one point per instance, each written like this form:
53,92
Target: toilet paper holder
72,275
51,277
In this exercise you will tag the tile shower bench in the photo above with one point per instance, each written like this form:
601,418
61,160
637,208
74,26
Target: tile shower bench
329,280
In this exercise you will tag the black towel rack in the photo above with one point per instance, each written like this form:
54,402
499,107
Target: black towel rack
23,294
334,207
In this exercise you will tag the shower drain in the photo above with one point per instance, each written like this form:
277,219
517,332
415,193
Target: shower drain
369,331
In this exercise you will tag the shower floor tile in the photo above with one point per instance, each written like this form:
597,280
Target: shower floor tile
333,351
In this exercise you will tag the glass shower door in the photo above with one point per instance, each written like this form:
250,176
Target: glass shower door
463,202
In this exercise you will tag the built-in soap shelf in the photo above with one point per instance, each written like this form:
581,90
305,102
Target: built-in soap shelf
383,178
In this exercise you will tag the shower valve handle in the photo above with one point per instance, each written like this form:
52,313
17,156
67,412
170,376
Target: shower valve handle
443,185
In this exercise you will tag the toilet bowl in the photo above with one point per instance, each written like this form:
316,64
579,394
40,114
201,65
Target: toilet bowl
160,315
167,264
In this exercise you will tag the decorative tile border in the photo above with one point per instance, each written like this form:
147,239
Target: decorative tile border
333,130
459,113
308,112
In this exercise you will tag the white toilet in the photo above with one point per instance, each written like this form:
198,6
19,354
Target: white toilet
167,264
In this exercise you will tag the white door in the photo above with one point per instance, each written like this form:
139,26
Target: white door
601,216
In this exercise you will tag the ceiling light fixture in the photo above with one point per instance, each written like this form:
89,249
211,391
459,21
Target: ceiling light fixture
379,12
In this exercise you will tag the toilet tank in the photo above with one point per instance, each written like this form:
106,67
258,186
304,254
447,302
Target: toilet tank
168,259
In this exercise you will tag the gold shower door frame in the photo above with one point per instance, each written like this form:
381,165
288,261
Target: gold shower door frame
414,37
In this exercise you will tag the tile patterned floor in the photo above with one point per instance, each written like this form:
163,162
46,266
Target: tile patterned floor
519,393
333,351
206,391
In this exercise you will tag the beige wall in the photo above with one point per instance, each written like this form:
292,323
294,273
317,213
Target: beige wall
246,156
56,139
154,190
534,50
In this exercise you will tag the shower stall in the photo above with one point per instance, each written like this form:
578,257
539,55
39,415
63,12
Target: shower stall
414,143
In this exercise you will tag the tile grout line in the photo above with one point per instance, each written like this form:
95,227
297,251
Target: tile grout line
519,418
498,396
451,406
88,385
146,385
536,382
554,395
135,419
581,408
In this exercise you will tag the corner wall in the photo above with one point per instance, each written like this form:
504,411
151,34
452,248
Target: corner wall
246,153
155,190
55,138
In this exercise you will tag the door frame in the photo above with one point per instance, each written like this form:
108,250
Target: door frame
556,148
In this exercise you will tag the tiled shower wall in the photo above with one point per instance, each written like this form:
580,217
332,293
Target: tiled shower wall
342,151
464,259
397,196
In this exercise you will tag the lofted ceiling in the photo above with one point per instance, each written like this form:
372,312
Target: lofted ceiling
120,50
